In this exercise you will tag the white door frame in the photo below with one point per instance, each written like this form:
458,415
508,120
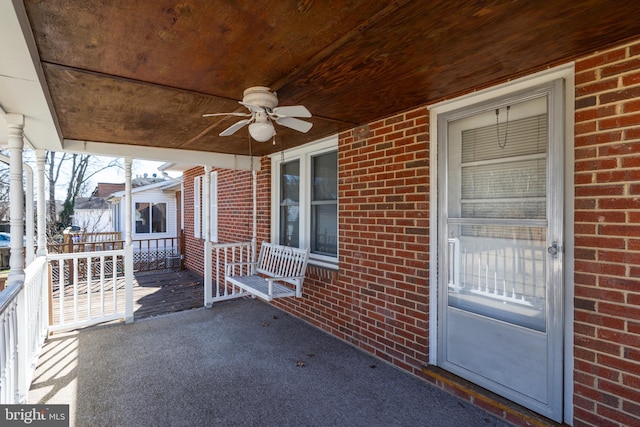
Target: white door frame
567,73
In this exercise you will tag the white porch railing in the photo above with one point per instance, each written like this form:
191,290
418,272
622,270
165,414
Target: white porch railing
229,252
23,329
87,288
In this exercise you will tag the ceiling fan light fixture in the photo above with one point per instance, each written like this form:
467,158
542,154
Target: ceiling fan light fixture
261,131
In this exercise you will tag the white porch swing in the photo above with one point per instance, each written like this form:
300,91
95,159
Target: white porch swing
278,272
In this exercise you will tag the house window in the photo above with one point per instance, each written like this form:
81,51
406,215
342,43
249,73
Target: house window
198,207
324,204
290,203
151,217
305,200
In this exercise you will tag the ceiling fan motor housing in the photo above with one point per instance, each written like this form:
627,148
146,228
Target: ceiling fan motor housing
260,96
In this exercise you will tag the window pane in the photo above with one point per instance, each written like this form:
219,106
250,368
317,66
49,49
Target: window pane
289,226
324,237
159,218
325,177
289,204
142,218
324,204
290,175
499,272
501,171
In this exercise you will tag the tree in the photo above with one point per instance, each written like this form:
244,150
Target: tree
75,171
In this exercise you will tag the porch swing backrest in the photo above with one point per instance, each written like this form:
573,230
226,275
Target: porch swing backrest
279,272
282,261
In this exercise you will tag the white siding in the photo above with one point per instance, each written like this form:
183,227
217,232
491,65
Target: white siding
93,220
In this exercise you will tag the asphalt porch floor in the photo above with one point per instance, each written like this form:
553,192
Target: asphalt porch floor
240,363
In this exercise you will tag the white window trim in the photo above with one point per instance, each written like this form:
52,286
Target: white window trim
304,154
198,207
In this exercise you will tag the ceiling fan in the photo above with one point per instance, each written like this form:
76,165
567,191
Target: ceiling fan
262,105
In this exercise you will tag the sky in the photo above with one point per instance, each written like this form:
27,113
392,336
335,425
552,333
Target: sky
113,174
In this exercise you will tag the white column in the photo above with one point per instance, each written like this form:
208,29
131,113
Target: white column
16,196
41,210
206,222
128,243
30,225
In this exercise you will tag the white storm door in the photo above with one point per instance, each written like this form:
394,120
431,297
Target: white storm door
500,246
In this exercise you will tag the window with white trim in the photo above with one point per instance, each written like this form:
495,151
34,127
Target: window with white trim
198,207
151,217
305,200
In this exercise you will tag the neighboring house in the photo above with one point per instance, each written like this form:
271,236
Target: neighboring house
428,233
106,189
154,208
92,215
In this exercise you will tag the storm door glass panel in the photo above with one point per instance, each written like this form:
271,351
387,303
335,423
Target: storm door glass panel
497,217
290,204
324,204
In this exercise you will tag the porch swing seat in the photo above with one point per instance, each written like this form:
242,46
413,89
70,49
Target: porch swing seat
278,273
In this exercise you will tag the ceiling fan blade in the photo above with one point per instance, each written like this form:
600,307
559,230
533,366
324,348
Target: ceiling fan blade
292,111
295,124
227,114
235,127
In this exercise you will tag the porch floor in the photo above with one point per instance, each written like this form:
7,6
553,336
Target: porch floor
242,362
162,292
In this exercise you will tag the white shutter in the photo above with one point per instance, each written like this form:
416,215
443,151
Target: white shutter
214,206
197,212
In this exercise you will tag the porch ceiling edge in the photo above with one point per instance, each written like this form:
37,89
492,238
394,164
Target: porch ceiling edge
177,156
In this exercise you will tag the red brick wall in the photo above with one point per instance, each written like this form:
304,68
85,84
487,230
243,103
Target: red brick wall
607,238
378,300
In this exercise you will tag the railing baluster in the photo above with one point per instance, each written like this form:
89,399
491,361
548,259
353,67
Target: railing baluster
61,288
89,283
114,261
102,262
75,289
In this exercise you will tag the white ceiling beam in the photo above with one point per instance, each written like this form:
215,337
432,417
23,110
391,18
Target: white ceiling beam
178,157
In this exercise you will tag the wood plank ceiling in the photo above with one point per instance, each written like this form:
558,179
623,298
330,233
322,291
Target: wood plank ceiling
144,72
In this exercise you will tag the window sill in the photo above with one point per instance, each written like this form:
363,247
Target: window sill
329,265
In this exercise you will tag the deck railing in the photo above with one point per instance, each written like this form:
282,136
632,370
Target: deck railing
228,252
148,254
87,288
156,254
23,328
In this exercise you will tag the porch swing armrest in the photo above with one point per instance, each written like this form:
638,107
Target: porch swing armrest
228,267
241,263
298,283
276,279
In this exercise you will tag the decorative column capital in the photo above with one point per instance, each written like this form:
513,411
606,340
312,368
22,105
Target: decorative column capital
14,120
